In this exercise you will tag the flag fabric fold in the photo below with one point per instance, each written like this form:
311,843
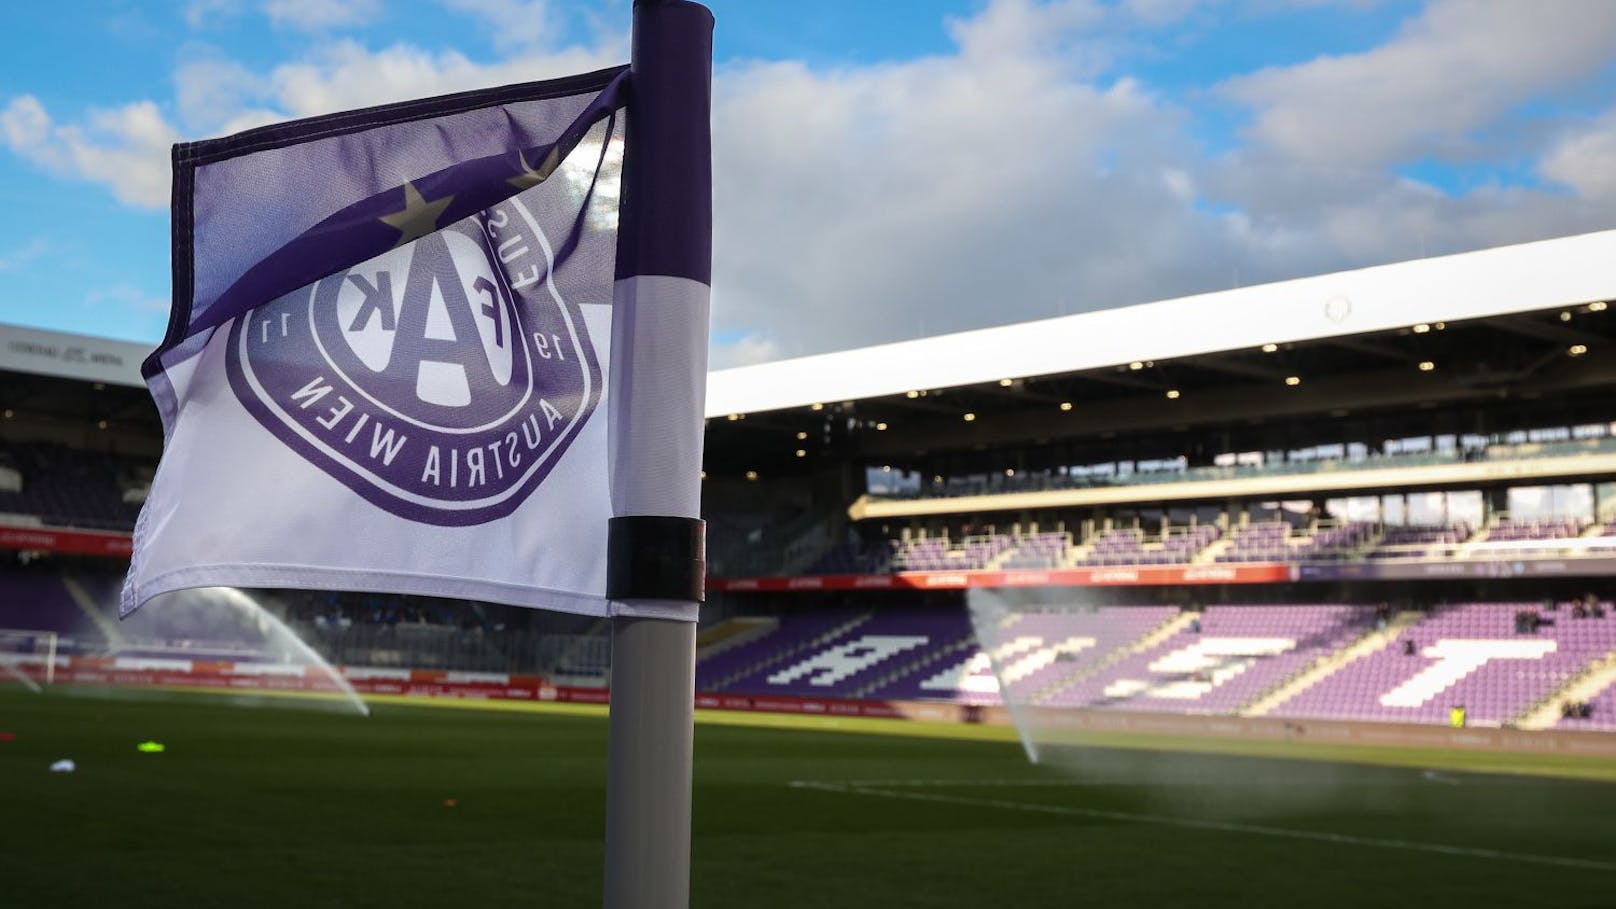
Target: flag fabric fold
392,360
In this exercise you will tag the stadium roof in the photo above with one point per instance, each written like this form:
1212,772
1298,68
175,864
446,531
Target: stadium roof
88,359
1502,281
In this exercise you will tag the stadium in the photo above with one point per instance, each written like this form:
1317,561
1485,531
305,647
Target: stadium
1302,586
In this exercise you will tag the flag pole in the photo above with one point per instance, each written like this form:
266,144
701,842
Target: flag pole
648,774
656,557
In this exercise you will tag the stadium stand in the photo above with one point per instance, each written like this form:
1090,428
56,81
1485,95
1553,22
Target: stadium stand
66,488
855,558
1130,547
939,555
1041,651
850,654
1423,482
1478,655
34,598
1231,656
1221,661
1257,542
790,635
1419,541
1040,550
1599,710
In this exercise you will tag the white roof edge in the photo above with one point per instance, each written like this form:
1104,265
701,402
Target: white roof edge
69,356
1499,281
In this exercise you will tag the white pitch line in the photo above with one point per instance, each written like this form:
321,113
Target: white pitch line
1096,784
1195,824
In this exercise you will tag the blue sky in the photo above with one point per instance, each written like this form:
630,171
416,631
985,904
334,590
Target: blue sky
884,169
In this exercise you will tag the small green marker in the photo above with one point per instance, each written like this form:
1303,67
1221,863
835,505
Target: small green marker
150,747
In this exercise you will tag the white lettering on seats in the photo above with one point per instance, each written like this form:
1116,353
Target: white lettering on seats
1014,670
1210,661
975,673
1456,659
974,676
831,666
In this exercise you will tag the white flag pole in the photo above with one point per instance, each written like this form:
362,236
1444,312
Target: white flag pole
655,562
648,774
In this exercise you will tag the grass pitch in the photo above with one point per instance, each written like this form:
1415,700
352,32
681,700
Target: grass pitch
280,807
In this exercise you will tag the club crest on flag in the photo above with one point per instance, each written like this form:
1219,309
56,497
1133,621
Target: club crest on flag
441,381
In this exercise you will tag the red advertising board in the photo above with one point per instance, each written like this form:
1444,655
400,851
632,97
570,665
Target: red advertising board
423,683
1130,576
69,542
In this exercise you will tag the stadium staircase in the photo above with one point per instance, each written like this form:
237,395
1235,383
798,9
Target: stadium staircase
732,633
1210,554
1546,713
1326,666
997,562
1465,549
791,652
1370,543
1076,554
1162,632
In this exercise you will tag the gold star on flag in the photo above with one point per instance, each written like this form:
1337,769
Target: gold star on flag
531,177
419,216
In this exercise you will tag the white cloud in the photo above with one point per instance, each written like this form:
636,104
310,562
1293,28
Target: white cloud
1018,26
126,149
202,13
346,74
129,297
13,259
1006,182
319,15
1585,161
743,351
1450,70
873,204
511,23
213,92
1016,177
1160,12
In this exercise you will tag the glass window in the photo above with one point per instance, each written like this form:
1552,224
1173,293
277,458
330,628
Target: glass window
1354,508
1392,511
1468,507
1549,434
1427,508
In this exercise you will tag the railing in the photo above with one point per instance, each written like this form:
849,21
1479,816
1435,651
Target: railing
1045,482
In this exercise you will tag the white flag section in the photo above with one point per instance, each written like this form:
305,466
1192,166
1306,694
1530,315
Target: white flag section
436,409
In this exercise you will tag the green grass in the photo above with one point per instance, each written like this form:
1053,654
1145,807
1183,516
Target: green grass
275,806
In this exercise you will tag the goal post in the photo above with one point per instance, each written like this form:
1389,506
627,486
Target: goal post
29,656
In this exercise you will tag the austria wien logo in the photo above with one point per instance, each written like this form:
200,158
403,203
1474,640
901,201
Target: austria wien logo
442,381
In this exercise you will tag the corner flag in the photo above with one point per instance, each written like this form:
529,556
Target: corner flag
434,347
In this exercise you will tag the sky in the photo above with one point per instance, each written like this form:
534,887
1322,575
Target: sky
883,170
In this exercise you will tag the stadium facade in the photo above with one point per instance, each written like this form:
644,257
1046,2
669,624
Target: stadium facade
1372,496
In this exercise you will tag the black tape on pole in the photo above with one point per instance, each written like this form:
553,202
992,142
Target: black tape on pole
650,557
